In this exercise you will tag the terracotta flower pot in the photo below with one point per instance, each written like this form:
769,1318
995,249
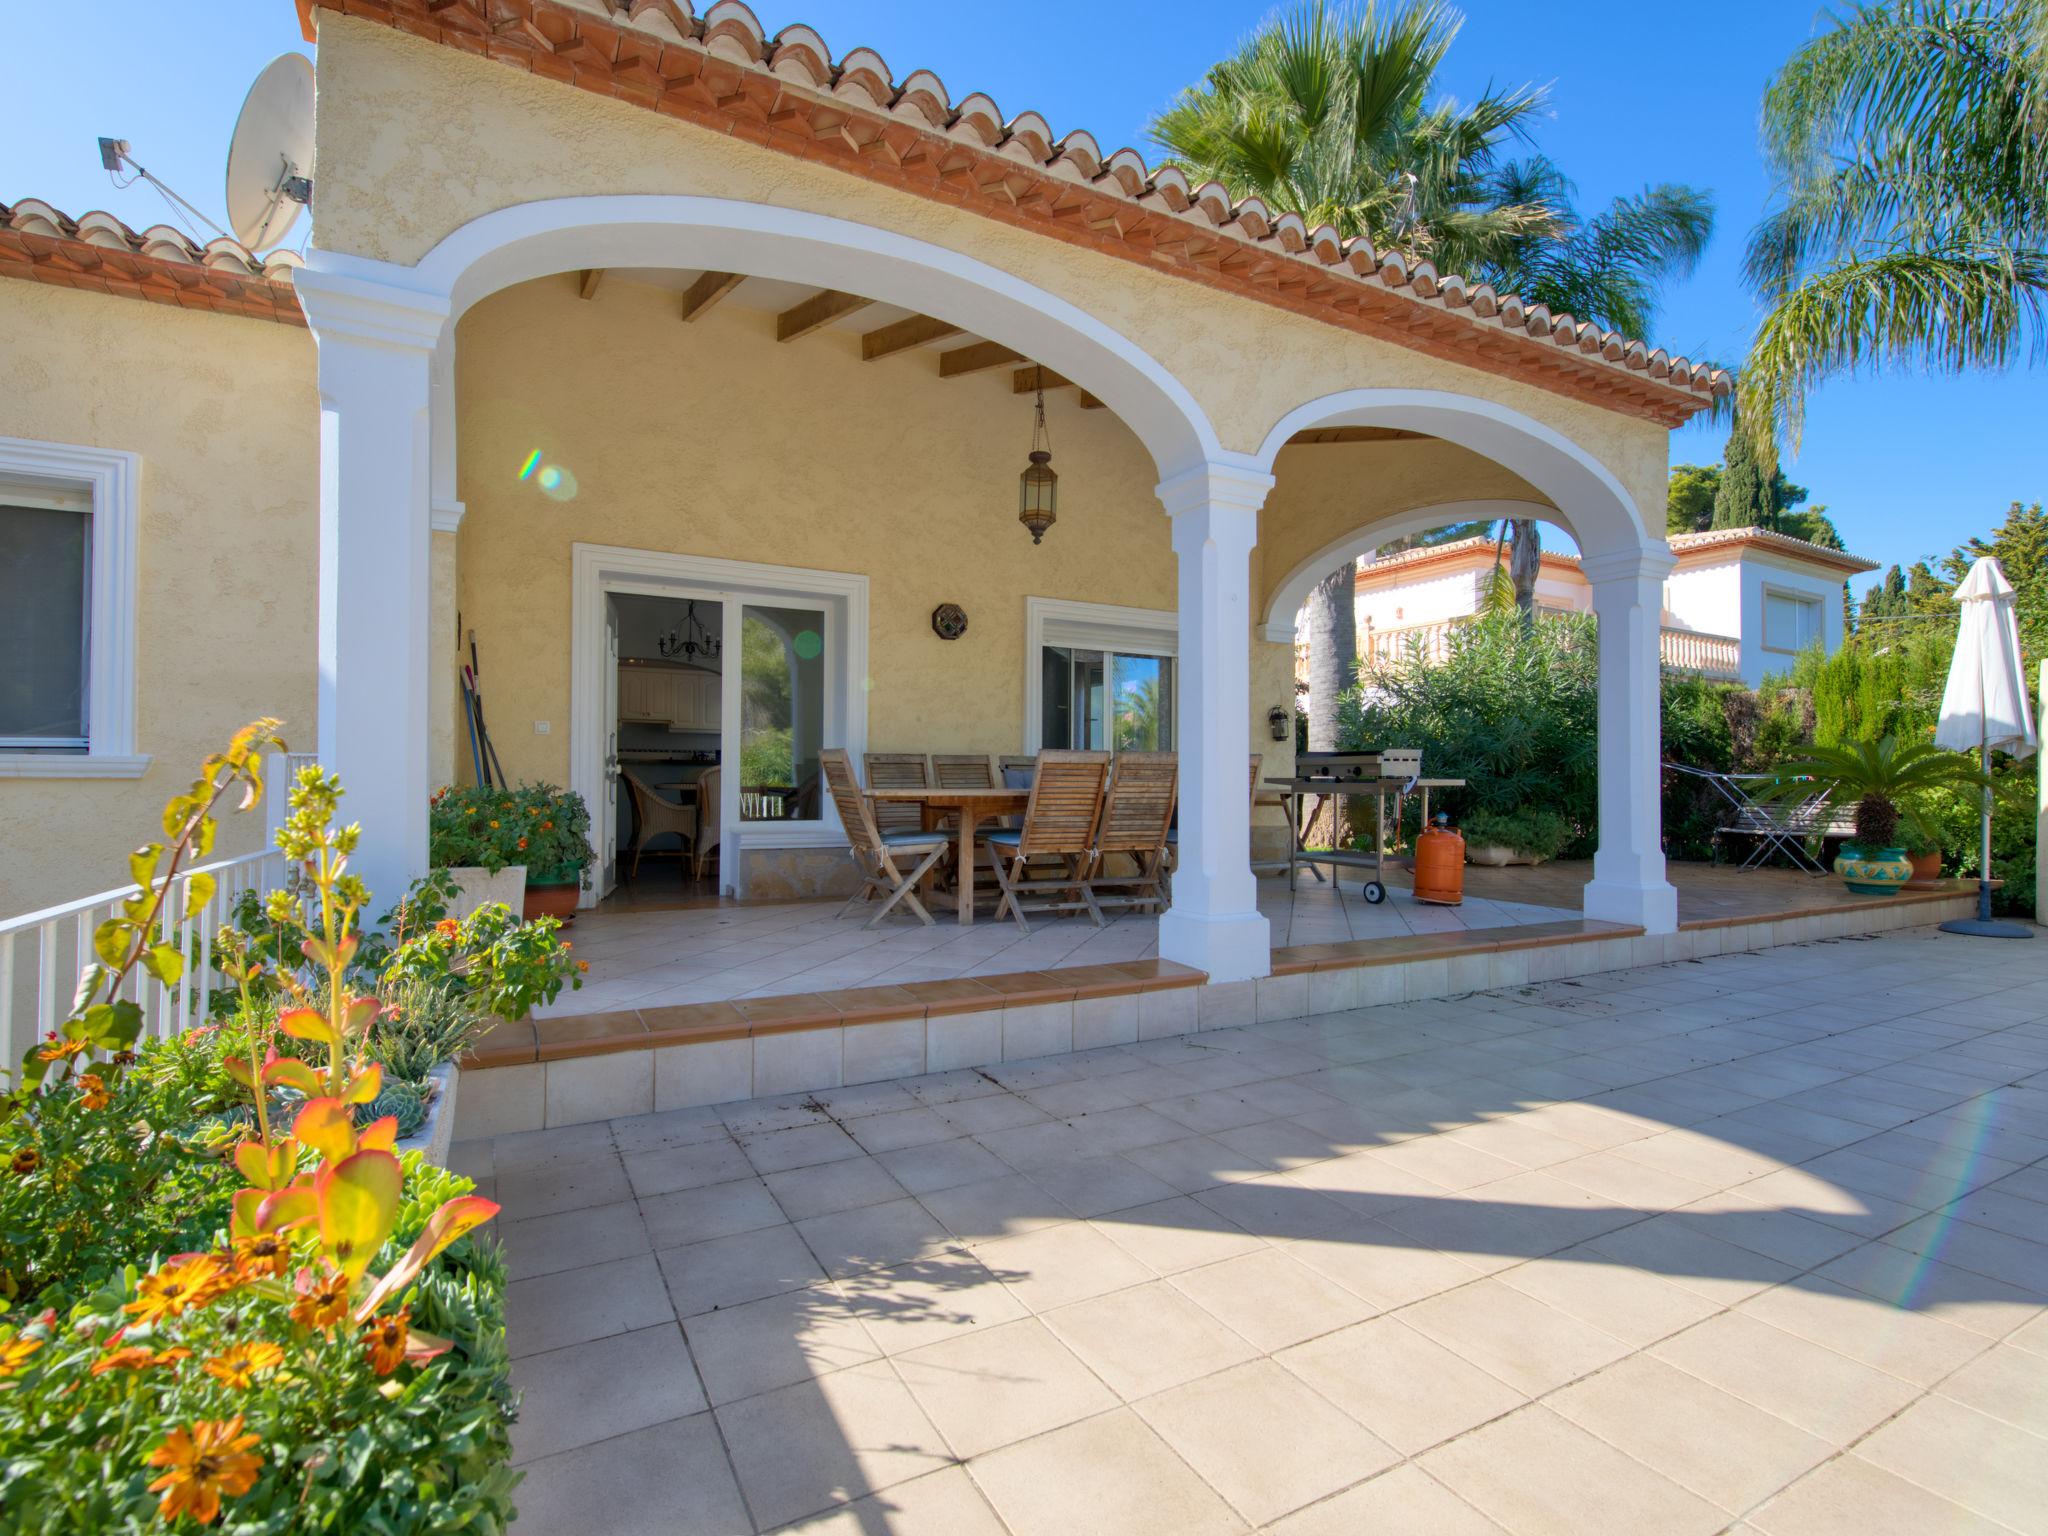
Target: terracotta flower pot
1926,867
551,901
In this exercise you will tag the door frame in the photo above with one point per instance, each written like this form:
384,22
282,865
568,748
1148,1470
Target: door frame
597,569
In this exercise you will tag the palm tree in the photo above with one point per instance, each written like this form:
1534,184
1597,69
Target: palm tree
1911,146
1329,111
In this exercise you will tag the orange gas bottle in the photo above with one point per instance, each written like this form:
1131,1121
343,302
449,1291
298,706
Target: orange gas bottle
1440,864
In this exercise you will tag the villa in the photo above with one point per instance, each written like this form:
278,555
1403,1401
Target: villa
1739,605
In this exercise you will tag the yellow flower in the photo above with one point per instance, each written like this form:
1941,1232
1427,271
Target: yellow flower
208,1460
264,1253
494,826
238,1364
192,1281
14,1352
26,1160
92,1091
322,1302
384,1341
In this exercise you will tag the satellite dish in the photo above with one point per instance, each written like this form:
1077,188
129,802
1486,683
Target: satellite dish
271,152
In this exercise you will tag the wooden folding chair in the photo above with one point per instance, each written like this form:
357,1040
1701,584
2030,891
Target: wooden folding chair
1133,825
897,770
875,852
963,770
1059,826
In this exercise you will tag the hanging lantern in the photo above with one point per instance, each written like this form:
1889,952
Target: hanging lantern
1038,488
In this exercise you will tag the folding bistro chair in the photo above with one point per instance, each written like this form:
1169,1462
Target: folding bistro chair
1059,826
875,852
1133,826
897,770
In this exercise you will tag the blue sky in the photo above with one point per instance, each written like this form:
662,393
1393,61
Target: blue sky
1641,92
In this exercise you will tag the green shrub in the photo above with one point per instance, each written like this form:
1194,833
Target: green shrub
1510,709
1537,833
545,828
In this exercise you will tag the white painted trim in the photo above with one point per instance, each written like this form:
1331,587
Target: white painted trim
112,477
445,515
599,568
62,765
1287,601
529,240
1101,626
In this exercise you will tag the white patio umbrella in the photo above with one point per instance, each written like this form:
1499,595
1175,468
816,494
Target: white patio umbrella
1984,707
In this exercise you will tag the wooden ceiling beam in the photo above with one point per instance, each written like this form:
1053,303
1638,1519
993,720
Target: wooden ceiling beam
817,312
707,291
977,358
587,284
1090,403
902,335
1029,381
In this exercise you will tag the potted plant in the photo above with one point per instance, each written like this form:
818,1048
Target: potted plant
1525,835
467,835
551,829
1882,780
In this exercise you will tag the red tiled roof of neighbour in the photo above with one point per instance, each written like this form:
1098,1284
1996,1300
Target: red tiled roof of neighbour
1683,544
723,70
1407,561
96,252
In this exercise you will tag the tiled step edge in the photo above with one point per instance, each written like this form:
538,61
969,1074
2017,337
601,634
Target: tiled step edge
681,1058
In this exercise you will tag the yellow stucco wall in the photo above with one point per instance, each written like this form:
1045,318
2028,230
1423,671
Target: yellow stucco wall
224,415
416,140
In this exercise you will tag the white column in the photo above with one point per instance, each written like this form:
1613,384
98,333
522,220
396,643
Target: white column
1215,923
376,360
1628,884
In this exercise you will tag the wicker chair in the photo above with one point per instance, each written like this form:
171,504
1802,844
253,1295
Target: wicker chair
708,787
897,770
1133,826
875,852
656,816
1059,826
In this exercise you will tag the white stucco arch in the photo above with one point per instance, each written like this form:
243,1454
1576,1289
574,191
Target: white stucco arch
1585,496
1277,622
536,239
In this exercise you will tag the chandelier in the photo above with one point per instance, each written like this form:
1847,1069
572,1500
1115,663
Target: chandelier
693,641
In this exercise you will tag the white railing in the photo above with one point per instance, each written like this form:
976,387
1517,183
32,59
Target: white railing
1679,650
43,953
1686,650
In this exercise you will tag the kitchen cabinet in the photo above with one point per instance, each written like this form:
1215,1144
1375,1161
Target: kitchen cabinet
680,700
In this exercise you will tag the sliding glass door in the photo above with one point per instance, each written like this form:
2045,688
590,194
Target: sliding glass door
776,733
1097,700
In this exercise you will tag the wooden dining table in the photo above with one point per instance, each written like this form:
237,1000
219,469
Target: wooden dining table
974,807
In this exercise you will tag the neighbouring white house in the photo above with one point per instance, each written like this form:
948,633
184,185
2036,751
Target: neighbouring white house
1739,604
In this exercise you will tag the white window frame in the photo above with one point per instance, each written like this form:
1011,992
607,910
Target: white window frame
600,568
1104,627
110,478
1790,595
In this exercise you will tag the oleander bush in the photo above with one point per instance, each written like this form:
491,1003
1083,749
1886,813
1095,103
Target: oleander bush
225,1298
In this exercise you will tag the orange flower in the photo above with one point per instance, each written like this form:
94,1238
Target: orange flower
192,1281
384,1340
322,1302
568,944
14,1352
448,927
238,1364
138,1357
208,1460
522,843
58,1050
583,967
494,826
26,1160
547,826
92,1091
263,1253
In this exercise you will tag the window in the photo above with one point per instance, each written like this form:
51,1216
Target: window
782,711
1791,623
1101,678
67,612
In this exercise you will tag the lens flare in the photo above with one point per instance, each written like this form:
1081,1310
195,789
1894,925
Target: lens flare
532,463
808,645
557,482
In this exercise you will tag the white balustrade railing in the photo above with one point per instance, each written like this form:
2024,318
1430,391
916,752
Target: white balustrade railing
43,953
1687,650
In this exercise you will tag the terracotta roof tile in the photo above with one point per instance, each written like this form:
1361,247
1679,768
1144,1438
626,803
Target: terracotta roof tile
1781,543
98,253
785,89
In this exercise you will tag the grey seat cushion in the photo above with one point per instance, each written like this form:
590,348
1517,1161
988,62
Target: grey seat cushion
1018,778
911,838
1008,837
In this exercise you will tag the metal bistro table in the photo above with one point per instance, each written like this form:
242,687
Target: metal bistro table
974,806
1355,776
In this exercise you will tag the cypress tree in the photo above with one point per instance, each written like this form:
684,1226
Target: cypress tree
1745,497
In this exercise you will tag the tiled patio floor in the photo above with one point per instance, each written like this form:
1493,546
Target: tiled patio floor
1755,1244
650,959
